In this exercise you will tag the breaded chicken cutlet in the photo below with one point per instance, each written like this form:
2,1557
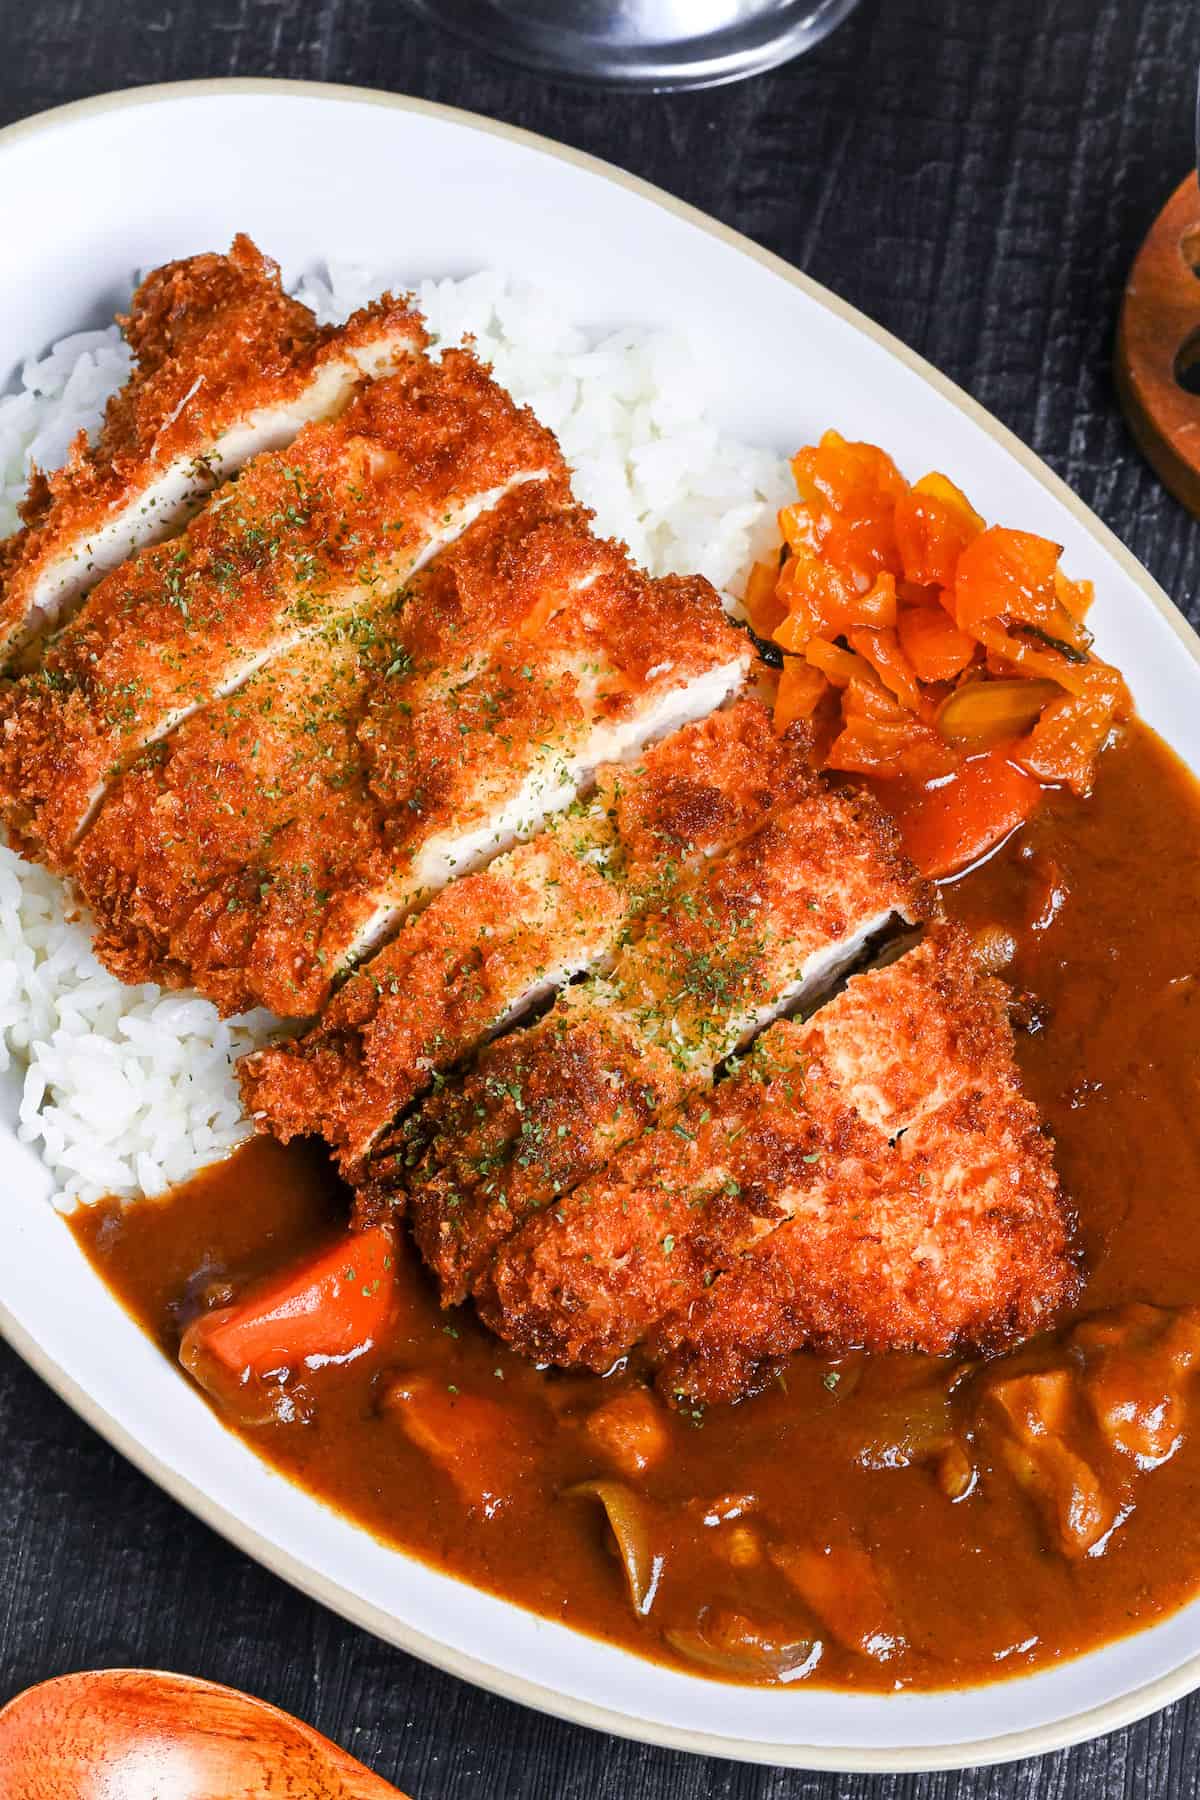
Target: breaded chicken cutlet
495,942
872,1177
306,538
285,828
226,366
769,923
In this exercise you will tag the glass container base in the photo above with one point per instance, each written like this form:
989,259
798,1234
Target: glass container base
640,43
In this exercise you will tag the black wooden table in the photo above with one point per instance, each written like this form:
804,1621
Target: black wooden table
977,177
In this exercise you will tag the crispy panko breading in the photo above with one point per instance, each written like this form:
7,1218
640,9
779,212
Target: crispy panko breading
872,1177
701,789
491,944
771,921
482,952
601,659
226,366
263,846
247,852
304,539
259,850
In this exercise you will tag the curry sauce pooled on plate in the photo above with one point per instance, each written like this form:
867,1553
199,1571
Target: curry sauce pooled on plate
793,1249
906,1476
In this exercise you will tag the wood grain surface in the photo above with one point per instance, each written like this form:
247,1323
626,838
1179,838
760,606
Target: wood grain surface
977,176
1157,341
127,1734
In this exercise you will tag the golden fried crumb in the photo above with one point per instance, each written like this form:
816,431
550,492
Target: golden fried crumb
873,1177
225,363
302,541
718,949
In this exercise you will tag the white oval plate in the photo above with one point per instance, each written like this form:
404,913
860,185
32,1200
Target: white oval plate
94,191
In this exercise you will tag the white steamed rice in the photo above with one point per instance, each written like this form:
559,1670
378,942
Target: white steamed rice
129,1089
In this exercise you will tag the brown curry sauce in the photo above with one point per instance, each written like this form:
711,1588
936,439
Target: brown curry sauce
821,1512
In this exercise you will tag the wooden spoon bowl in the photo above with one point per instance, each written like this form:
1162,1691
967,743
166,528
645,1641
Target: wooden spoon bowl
139,1734
1158,345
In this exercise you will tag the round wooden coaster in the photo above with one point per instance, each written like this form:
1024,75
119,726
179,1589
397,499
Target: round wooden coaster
1158,345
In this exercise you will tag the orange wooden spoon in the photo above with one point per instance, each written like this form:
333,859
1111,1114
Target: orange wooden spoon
138,1734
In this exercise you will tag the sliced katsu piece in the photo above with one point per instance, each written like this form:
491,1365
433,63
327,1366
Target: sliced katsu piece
246,850
484,951
303,539
476,752
495,943
770,923
226,366
254,855
872,1177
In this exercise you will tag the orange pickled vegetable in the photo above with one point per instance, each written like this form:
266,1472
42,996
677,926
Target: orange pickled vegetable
800,623
837,467
794,632
1106,686
820,597
1075,596
891,749
949,826
821,602
821,611
936,649
802,524
1065,629
871,747
800,690
1006,573
982,713
933,527
940,487
845,512
1030,657
920,640
877,608
882,650
764,609
839,666
861,540
1065,743
871,700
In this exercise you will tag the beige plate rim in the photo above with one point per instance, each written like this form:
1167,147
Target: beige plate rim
1074,1729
